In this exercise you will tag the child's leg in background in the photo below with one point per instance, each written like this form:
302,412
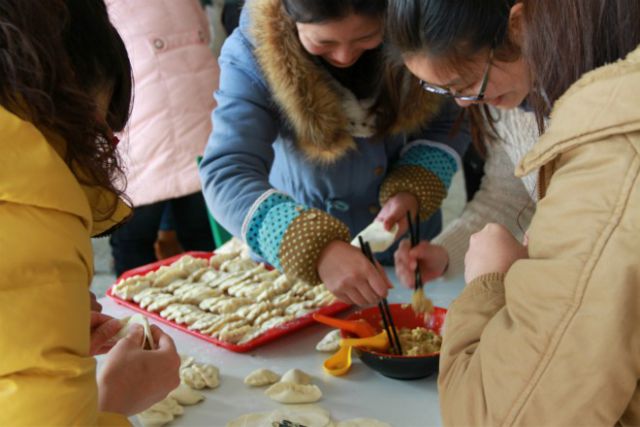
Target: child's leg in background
132,243
192,223
167,244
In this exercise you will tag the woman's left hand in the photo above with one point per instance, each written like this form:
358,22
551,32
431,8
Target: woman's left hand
395,212
492,250
103,329
95,305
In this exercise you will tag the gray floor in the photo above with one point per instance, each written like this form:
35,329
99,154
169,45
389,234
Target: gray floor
105,276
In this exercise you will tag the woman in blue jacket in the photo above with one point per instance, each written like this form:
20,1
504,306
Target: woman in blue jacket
316,135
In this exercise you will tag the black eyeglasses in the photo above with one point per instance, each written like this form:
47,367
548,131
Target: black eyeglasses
473,98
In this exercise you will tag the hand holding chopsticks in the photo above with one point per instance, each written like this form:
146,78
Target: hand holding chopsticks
350,276
414,233
383,306
419,302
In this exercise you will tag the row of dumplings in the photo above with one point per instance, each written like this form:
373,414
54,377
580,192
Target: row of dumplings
228,297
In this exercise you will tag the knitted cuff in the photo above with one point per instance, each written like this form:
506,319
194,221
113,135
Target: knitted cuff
305,238
423,184
270,218
490,282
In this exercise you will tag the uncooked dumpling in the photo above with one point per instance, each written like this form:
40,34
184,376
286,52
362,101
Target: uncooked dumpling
296,376
285,392
161,413
362,422
137,319
185,395
378,238
199,375
261,377
154,418
330,343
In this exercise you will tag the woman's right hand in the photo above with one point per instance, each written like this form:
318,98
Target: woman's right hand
433,260
349,275
133,379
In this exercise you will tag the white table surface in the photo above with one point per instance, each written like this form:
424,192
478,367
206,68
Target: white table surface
360,393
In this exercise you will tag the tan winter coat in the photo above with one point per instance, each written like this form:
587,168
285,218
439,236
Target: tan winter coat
557,341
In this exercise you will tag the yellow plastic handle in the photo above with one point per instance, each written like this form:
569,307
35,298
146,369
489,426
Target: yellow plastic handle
340,363
378,342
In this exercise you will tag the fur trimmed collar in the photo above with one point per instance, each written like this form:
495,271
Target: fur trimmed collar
320,111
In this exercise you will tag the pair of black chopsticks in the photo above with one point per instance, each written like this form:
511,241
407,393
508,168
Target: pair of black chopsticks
414,233
383,306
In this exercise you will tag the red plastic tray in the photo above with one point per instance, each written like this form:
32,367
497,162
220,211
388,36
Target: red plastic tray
268,336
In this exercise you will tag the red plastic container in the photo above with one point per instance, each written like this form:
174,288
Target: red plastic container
266,337
395,366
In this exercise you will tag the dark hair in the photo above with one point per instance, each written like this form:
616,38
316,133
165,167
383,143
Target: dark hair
449,29
314,11
99,58
50,71
583,34
455,31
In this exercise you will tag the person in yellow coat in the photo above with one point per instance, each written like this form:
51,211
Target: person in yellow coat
65,85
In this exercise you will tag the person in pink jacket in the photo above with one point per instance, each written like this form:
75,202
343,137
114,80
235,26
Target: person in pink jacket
174,75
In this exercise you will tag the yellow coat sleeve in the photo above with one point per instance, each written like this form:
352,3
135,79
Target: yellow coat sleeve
47,376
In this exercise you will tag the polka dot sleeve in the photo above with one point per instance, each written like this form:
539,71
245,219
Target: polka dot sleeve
305,239
291,236
424,170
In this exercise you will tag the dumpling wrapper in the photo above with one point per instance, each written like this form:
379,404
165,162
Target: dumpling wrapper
257,419
306,415
137,319
378,238
296,376
285,392
362,422
330,343
261,377
185,395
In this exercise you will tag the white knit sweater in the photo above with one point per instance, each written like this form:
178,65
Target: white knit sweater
502,198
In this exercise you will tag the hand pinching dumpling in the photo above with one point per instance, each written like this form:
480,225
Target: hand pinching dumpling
137,319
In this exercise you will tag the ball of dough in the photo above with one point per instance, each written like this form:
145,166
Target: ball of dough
261,377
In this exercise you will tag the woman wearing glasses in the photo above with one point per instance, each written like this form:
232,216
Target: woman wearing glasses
492,76
314,138
545,334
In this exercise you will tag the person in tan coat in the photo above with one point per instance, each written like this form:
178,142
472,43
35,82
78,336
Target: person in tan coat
547,333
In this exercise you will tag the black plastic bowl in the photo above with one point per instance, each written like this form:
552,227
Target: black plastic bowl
394,366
